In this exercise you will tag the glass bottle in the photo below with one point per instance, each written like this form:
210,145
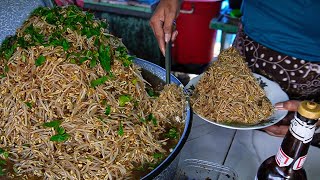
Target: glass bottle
287,164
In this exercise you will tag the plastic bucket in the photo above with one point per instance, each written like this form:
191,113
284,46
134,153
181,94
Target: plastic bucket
195,42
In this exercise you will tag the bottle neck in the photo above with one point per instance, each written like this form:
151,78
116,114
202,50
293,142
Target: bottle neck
296,143
306,120
301,129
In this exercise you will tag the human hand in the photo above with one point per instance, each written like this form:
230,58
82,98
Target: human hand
280,129
162,20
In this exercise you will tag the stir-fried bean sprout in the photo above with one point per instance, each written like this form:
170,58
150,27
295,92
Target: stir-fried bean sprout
229,93
73,105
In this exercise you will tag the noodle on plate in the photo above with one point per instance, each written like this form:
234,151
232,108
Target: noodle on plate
229,93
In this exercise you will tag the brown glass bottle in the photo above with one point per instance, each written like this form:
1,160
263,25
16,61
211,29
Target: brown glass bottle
287,164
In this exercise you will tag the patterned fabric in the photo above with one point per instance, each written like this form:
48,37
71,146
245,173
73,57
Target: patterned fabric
299,78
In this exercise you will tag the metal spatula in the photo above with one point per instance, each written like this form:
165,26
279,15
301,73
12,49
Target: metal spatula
168,61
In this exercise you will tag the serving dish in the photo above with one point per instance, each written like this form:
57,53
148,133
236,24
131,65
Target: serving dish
273,92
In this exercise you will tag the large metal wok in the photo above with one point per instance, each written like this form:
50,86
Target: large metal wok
156,77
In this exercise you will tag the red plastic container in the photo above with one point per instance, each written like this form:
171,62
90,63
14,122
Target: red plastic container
195,41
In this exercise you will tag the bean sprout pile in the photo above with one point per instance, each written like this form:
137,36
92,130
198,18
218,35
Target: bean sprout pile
73,105
229,93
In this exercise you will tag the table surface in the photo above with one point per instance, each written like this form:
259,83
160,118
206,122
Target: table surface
242,150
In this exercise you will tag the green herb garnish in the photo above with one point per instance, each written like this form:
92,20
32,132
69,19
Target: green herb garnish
98,81
8,53
29,104
134,81
93,62
65,44
154,121
73,61
108,110
120,131
2,173
158,156
3,162
40,60
60,137
123,99
104,57
54,124
60,130
83,59
152,118
4,153
61,134
8,47
127,61
152,93
142,120
172,134
36,37
122,54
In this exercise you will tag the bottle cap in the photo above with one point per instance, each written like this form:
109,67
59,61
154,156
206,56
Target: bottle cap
310,110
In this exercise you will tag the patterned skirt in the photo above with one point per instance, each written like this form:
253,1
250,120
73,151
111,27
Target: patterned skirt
299,78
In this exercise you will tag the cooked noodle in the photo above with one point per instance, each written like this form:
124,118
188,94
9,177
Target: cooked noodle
104,137
228,92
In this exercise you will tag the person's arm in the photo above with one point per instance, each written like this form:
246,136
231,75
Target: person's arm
162,20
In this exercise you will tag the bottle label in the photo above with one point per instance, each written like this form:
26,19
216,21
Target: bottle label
282,159
299,163
301,130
